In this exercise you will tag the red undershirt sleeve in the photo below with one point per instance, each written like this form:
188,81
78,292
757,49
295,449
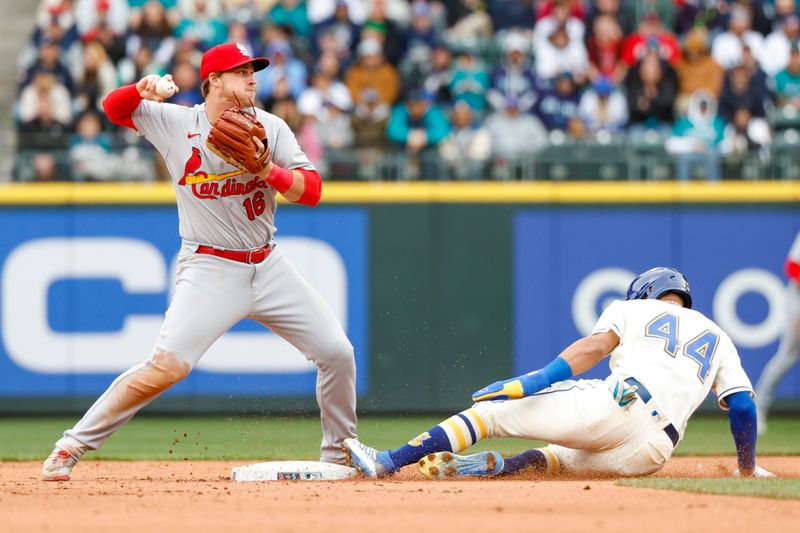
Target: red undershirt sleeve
120,104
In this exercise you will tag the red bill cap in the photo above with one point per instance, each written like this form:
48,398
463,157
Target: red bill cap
227,56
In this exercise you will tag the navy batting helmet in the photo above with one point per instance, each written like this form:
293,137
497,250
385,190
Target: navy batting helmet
657,282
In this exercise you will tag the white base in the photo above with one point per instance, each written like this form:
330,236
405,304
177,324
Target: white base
292,470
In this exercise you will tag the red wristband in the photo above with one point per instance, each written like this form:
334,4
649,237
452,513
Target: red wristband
313,187
280,178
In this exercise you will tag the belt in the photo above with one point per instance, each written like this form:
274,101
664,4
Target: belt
645,395
248,256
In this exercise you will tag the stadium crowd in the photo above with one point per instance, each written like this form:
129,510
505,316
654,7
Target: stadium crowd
435,89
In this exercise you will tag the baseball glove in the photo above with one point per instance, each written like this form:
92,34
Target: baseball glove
231,138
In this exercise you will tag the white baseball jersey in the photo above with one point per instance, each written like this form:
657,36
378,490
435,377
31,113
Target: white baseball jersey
218,204
677,353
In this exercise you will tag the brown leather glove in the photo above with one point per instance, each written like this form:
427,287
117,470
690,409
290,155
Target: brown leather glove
231,138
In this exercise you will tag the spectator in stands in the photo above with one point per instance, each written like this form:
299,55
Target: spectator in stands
604,47
335,129
340,27
282,65
392,36
603,108
466,21
152,28
372,70
55,20
758,77
308,135
558,53
778,43
745,135
787,81
90,150
740,92
370,120
651,87
726,48
435,77
706,14
467,147
514,15
45,167
95,78
329,63
696,138
650,35
44,114
292,14
185,76
609,8
418,125
514,77
204,26
49,62
421,37
555,17
470,81
697,70
559,103
89,14
47,102
114,43
329,91
513,135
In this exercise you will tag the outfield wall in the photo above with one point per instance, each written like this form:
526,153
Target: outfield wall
441,287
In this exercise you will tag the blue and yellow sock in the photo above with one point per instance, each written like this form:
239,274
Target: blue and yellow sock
539,461
455,434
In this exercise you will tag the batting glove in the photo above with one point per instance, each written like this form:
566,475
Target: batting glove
624,394
760,473
510,389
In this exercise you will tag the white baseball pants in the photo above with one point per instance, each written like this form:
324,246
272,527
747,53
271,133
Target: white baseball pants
211,295
588,431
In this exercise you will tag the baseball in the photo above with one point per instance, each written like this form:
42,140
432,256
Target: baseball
165,88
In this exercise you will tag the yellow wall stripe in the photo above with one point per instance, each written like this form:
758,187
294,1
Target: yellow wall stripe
662,192
475,416
462,441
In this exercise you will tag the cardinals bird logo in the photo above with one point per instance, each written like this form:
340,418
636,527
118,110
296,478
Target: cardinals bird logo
191,166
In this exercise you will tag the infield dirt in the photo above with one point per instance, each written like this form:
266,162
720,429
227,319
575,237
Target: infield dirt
199,496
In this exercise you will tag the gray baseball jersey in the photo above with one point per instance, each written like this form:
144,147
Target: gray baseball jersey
218,204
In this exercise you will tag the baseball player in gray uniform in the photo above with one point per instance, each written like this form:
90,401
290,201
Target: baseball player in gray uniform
228,267
665,358
789,347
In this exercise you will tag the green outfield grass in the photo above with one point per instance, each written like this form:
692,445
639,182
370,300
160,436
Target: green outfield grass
259,438
785,489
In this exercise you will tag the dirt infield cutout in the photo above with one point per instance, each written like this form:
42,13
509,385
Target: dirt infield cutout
199,496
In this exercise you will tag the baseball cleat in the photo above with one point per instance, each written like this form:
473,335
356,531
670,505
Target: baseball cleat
369,461
58,466
441,465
